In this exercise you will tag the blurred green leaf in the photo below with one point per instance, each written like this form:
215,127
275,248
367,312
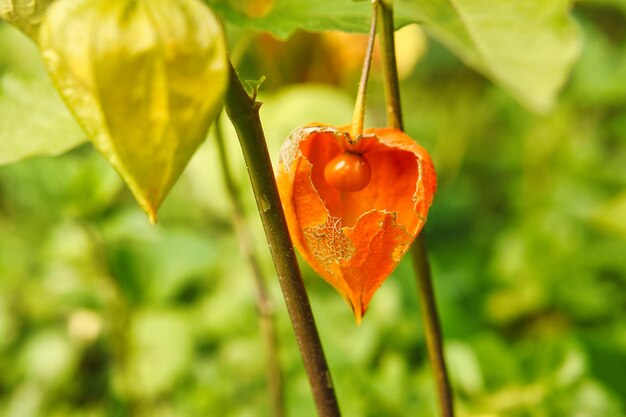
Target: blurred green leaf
601,71
526,241
159,352
617,4
33,119
48,357
153,263
19,53
78,183
525,46
611,215
464,368
283,17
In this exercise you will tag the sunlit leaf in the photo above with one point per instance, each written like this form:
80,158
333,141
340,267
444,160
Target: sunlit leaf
601,70
611,216
287,16
526,46
33,120
159,350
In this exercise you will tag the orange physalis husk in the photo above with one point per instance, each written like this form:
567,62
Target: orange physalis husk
354,240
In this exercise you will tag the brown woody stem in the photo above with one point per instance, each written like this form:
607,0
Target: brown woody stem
264,303
358,116
434,337
243,111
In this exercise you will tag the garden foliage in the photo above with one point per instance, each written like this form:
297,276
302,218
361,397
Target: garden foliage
522,107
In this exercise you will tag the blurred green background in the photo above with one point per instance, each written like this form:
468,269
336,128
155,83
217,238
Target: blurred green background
102,314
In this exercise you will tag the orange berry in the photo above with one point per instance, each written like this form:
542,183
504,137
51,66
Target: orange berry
348,172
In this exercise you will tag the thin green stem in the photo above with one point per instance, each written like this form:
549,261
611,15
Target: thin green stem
419,253
432,328
359,106
243,111
264,303
389,67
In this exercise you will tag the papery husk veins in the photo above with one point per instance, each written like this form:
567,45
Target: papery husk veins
26,15
356,248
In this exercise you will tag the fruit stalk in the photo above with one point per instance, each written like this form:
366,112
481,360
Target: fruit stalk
359,106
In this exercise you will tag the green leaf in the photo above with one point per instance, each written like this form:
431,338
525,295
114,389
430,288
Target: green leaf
159,346
253,86
48,356
156,263
286,16
33,120
145,80
617,4
601,70
525,46
611,215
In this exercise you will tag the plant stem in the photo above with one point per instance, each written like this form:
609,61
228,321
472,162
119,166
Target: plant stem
264,303
243,111
432,328
434,337
389,67
359,106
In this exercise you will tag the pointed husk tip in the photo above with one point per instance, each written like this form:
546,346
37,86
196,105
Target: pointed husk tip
151,211
358,312
152,217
